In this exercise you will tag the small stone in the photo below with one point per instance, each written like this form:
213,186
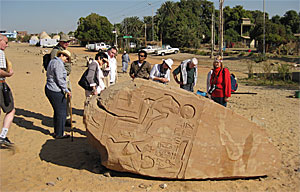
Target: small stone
59,178
51,183
162,186
142,185
107,174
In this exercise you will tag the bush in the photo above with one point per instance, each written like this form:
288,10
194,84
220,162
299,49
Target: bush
260,58
250,70
283,70
198,52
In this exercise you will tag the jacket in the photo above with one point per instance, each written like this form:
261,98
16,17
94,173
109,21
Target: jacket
56,76
143,73
222,82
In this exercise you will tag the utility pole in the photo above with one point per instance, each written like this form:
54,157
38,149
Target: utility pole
126,42
221,28
116,36
145,34
152,23
264,40
212,32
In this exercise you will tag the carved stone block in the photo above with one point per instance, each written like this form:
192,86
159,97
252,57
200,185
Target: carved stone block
151,129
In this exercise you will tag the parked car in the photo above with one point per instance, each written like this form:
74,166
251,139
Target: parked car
132,45
97,46
167,50
151,49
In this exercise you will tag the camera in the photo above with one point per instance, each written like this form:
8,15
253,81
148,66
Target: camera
212,89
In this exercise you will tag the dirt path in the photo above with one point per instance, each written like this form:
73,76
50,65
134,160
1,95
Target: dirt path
74,166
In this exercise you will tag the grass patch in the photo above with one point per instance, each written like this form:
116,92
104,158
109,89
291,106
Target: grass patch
271,83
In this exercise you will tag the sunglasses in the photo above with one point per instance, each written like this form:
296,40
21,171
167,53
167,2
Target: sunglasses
142,56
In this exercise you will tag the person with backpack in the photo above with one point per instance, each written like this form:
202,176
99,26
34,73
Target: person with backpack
95,76
219,82
63,44
140,68
188,74
56,91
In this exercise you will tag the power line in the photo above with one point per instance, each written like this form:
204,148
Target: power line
135,10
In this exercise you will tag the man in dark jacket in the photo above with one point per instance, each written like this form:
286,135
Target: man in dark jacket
140,68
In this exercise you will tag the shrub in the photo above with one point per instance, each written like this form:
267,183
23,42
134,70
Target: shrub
260,58
283,70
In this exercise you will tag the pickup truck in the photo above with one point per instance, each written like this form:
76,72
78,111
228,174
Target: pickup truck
167,50
97,46
151,49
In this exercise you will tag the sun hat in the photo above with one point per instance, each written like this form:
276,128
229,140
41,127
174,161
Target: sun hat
195,61
64,38
65,52
169,62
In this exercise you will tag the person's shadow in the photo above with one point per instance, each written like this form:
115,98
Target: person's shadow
47,121
22,122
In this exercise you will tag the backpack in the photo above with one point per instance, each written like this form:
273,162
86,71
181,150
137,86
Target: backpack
234,84
233,80
84,83
46,60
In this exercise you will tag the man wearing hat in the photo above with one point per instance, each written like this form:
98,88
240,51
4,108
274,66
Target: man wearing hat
63,44
161,72
188,74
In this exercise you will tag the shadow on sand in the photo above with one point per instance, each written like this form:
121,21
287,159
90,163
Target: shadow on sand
82,156
79,155
47,121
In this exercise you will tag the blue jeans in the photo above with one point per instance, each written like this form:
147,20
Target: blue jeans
188,87
59,105
220,100
124,66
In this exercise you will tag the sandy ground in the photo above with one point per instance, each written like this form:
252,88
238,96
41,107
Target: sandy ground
40,163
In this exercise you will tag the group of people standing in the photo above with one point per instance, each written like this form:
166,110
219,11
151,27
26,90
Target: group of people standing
102,73
218,79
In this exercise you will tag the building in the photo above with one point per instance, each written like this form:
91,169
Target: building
9,34
246,22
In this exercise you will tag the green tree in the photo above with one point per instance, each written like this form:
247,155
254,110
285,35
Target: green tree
276,19
185,23
132,26
94,28
275,35
232,23
291,21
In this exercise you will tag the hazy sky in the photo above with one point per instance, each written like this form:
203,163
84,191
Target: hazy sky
54,16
